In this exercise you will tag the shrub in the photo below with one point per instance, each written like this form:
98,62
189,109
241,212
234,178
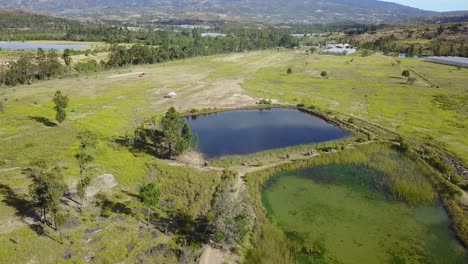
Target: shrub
265,102
404,145
88,66
289,71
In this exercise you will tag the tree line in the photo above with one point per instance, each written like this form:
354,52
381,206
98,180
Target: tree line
43,65
152,47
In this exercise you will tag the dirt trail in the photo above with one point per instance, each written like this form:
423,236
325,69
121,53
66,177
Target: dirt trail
124,75
9,169
213,256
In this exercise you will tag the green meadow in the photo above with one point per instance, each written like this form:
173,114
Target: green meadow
372,88
111,104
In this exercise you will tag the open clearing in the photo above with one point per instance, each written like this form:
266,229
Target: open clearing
370,88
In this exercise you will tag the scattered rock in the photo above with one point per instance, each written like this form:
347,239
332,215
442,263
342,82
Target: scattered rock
104,182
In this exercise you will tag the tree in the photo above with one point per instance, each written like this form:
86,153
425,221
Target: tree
38,188
61,102
406,73
60,220
324,74
172,125
149,196
66,57
289,70
56,188
46,191
88,141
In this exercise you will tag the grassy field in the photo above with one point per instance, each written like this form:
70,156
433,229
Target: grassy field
372,88
112,104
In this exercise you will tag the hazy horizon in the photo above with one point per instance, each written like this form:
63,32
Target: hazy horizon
435,5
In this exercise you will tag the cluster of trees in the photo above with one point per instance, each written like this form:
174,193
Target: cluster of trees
172,46
46,190
389,44
153,47
172,137
44,65
48,186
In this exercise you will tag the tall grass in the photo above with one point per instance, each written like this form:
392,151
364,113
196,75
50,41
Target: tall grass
406,178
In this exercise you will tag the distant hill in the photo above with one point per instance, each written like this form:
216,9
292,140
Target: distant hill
305,11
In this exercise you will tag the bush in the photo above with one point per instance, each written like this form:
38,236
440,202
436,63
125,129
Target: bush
265,102
406,73
404,145
351,120
88,66
289,71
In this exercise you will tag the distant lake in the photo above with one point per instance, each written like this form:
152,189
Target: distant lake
406,55
34,46
244,132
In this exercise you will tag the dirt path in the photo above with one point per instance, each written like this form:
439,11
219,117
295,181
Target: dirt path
9,169
124,75
212,256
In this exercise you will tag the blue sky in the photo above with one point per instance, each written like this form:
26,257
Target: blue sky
435,5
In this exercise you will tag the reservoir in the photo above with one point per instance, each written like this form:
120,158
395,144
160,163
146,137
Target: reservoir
243,132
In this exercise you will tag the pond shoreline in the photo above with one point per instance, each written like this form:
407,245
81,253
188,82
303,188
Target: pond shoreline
246,131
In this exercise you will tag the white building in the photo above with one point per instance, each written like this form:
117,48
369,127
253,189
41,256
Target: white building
171,95
213,35
339,49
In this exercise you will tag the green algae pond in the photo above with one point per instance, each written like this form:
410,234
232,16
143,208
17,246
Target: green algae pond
347,214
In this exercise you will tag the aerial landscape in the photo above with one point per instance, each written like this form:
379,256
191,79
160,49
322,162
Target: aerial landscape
233,131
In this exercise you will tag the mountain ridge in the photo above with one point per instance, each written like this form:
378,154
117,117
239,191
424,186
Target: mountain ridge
306,11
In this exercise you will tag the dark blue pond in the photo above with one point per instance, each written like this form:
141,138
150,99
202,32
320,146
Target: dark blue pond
34,46
244,132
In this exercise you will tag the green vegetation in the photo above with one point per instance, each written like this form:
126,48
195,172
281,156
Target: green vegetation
340,213
61,103
88,141
264,102
372,89
149,196
176,133
402,178
324,74
442,40
114,106
231,220
47,189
